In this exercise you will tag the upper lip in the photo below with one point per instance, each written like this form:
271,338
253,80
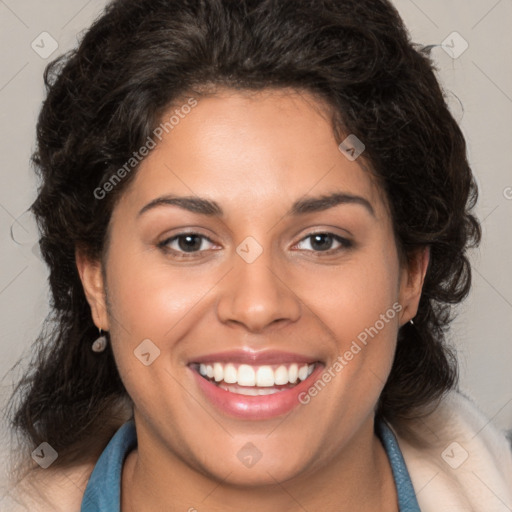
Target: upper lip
251,357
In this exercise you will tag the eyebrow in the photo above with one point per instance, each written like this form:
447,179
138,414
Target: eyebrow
300,207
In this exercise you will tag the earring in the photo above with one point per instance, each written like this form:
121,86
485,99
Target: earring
100,344
411,322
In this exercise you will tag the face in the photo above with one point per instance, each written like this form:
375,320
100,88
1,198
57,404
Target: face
288,305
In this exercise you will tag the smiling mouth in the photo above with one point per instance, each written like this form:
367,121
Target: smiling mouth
244,379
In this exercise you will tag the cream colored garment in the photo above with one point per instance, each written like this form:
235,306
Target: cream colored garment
49,491
458,461
473,475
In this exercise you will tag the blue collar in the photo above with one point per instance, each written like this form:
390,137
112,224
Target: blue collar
407,501
103,491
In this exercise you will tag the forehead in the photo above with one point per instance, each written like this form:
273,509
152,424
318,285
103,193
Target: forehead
252,150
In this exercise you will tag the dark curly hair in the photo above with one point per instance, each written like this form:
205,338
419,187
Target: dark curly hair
140,57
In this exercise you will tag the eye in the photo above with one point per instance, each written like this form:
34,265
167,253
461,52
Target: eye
184,243
323,242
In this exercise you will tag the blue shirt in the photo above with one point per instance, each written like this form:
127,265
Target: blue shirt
103,491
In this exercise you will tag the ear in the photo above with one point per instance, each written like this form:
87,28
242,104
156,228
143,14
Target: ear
412,278
91,275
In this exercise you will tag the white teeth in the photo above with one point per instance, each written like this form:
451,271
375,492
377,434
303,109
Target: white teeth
249,391
267,391
265,376
218,372
293,373
230,374
281,376
246,375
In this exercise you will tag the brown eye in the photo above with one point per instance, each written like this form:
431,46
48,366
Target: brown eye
323,242
185,243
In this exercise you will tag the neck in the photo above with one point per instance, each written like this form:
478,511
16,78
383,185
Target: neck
358,477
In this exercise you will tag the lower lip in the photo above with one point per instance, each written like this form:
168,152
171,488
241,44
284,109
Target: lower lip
259,407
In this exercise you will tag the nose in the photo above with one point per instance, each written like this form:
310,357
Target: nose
256,295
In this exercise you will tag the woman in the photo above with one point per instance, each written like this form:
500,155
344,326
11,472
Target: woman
256,216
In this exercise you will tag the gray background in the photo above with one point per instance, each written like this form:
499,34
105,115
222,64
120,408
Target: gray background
481,78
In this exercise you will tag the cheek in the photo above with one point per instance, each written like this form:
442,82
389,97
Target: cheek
150,297
151,308
157,303
353,296
358,303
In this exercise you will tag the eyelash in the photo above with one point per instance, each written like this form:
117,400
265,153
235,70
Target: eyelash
344,244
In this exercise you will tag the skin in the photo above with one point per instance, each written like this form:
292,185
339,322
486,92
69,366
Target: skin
254,154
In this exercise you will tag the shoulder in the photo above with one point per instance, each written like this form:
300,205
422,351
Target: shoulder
457,459
24,486
48,490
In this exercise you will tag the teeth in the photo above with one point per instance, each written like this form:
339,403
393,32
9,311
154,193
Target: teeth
293,373
265,376
281,376
246,375
250,391
218,372
230,374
